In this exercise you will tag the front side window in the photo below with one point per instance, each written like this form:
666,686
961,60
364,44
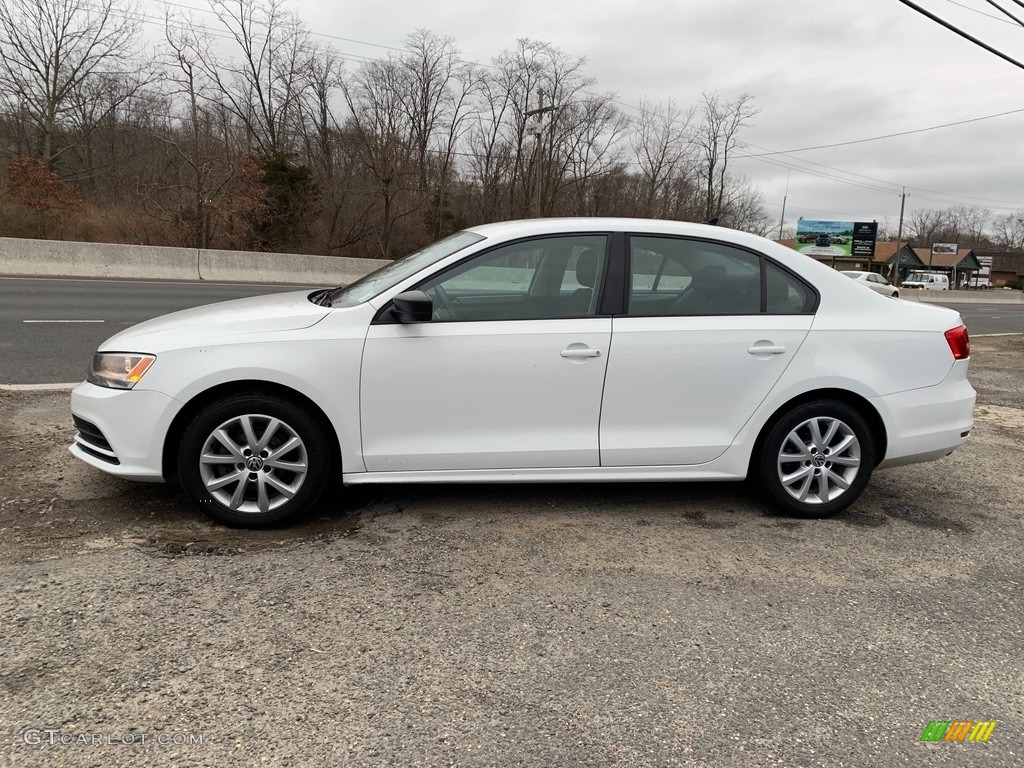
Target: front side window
543,278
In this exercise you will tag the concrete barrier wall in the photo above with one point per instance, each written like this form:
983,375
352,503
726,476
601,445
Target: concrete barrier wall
251,266
990,296
69,259
58,258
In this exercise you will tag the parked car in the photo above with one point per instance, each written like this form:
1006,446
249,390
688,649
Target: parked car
560,350
979,282
927,281
874,281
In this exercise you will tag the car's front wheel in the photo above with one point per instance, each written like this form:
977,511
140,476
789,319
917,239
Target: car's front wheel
254,461
816,459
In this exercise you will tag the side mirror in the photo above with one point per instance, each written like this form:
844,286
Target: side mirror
413,307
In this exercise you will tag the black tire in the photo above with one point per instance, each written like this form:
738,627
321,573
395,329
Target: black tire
254,461
810,483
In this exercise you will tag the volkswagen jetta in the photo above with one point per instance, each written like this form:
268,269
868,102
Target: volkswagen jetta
561,350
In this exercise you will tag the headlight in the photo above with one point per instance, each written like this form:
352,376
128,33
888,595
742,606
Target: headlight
119,370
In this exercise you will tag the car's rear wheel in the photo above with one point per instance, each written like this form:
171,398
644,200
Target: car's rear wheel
254,461
816,459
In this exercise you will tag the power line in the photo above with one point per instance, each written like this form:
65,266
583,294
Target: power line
892,135
1006,12
967,36
980,12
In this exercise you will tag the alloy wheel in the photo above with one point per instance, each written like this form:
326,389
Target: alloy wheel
253,463
819,460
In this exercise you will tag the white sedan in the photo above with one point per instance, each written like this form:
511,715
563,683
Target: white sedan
558,350
874,281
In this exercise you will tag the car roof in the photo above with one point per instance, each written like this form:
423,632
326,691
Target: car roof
530,227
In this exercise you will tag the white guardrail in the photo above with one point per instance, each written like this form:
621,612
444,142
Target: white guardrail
58,258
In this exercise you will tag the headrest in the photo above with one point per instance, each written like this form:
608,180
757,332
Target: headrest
586,267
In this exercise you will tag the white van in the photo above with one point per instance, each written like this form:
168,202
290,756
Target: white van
927,281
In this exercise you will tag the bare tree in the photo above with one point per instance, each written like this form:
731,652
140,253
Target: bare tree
261,77
717,139
206,162
925,226
380,129
663,151
1008,231
590,147
438,99
51,49
492,159
967,225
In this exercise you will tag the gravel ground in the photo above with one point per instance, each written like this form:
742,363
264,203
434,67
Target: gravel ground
639,625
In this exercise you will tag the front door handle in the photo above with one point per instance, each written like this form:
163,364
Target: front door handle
573,352
766,349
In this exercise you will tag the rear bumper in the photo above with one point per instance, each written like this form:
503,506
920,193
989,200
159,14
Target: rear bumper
121,431
929,423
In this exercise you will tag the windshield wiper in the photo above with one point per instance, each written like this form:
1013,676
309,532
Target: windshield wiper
322,297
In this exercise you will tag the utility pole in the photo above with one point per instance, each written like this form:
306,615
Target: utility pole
782,220
535,128
899,237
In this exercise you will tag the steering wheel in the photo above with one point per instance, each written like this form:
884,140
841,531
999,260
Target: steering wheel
446,306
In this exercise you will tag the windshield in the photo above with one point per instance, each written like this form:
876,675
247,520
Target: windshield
917,277
375,283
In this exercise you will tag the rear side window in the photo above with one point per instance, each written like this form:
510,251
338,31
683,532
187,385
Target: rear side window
786,295
675,276
683,277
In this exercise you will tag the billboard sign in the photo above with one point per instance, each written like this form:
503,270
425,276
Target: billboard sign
865,233
839,239
938,248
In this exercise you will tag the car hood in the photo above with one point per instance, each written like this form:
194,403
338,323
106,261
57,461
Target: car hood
219,322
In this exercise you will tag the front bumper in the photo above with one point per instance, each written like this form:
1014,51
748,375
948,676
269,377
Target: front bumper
121,431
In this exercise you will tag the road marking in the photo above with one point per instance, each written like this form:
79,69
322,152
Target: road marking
63,321
1012,333
37,387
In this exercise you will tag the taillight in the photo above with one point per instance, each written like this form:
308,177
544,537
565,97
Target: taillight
959,342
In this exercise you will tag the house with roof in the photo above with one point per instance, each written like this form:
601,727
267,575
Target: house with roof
1005,266
961,266
887,255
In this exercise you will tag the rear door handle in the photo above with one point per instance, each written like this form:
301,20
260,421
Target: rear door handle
766,349
577,352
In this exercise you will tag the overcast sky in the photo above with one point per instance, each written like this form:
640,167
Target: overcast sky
821,72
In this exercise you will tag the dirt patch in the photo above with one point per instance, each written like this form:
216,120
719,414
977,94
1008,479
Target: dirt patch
51,504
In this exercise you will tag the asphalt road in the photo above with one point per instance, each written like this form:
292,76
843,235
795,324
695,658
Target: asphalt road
49,328
991,318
